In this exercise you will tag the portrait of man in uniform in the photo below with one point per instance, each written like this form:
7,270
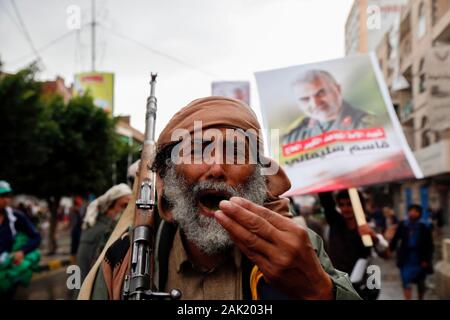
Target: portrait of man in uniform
334,124
319,97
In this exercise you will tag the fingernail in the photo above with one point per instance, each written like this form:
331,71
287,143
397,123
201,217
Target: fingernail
226,204
218,214
236,200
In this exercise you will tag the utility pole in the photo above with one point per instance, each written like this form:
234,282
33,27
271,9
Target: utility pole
93,25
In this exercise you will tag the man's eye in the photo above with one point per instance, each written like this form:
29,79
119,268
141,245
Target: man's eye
321,93
197,149
305,100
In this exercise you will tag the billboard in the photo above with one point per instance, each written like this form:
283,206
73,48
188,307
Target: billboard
239,90
100,85
336,126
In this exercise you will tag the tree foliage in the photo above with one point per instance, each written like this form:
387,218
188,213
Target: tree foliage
50,148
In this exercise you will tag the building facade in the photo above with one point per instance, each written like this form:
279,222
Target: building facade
414,56
58,87
406,58
367,23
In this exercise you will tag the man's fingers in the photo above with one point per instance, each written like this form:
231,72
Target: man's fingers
274,218
257,258
257,252
243,237
249,220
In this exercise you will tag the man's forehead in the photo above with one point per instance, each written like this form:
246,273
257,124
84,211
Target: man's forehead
311,87
219,133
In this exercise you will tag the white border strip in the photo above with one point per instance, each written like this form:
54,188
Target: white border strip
394,120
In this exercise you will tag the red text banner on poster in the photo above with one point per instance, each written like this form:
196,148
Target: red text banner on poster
326,138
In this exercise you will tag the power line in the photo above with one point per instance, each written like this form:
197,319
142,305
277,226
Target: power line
76,51
111,31
93,25
43,48
102,52
10,16
46,46
26,33
154,51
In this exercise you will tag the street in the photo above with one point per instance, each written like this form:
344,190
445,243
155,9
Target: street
49,285
391,286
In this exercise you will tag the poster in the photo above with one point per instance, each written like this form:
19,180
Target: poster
100,85
334,124
239,90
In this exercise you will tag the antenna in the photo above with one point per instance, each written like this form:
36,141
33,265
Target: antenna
93,25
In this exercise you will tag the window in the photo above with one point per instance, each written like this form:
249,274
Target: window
422,76
422,24
422,86
426,141
428,136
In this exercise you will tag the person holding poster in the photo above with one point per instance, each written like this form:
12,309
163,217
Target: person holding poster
319,97
345,245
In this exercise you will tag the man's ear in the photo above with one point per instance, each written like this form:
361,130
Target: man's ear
165,209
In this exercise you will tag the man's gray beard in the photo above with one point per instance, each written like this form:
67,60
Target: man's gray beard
205,232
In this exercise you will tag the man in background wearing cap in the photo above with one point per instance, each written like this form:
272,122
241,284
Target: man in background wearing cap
100,219
13,224
224,232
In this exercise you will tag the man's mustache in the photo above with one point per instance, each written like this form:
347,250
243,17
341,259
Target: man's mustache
205,191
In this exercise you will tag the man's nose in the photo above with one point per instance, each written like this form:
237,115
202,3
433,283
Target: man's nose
314,101
216,172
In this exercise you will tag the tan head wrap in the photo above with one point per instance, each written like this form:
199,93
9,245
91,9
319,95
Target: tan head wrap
217,112
102,203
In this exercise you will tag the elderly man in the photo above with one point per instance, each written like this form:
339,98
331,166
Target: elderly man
99,221
319,97
225,233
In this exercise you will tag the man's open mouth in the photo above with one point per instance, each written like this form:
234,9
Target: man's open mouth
208,200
